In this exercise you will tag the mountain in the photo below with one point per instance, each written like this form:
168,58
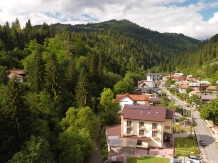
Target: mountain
168,43
201,61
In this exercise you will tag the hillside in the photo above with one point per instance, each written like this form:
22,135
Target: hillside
167,43
201,61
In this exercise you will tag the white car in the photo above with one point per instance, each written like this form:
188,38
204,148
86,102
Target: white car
194,161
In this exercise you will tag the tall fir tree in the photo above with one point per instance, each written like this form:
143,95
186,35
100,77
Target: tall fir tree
82,90
53,79
16,120
36,75
71,76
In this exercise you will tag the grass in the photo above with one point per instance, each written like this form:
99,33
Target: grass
185,146
147,159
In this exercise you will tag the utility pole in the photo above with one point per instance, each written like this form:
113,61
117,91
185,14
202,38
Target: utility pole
191,124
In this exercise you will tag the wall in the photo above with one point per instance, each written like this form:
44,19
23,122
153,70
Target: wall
147,131
168,122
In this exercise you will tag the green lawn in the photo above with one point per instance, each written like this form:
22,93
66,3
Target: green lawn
185,146
146,159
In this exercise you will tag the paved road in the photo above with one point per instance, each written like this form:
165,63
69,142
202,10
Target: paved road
209,153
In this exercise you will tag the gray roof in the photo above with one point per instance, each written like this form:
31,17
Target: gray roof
208,96
147,89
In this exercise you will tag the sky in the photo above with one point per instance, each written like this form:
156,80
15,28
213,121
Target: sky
194,18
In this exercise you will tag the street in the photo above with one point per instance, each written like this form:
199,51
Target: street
209,153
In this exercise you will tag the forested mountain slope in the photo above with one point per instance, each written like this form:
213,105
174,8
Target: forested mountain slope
202,61
167,43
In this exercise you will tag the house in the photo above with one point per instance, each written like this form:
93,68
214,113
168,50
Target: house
204,84
131,99
146,84
183,86
190,79
212,89
151,92
155,101
142,129
153,76
205,98
19,74
194,92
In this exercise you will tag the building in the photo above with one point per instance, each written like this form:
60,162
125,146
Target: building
143,130
153,76
146,84
131,99
18,74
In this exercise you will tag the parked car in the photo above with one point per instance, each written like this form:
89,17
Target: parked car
202,142
194,157
194,161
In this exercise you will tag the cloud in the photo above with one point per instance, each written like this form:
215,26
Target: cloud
179,16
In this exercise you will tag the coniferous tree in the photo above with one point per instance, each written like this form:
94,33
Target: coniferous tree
53,83
82,90
37,73
3,75
16,120
71,76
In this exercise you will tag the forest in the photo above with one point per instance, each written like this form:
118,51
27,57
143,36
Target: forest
72,76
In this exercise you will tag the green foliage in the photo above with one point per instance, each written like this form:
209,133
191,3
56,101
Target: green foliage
169,82
108,108
37,150
53,76
75,145
210,111
3,75
126,85
82,90
15,119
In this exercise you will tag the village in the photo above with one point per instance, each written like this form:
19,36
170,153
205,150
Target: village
148,129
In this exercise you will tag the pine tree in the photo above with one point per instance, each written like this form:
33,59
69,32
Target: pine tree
71,76
16,121
53,78
82,90
37,73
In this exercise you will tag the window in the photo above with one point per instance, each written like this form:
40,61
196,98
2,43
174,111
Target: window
129,123
154,125
154,133
141,132
139,142
129,130
141,124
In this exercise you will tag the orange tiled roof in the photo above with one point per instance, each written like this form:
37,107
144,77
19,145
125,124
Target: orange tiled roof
132,97
211,87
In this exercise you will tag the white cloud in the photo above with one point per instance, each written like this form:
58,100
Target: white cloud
158,15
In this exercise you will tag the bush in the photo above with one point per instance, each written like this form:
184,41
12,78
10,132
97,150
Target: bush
182,119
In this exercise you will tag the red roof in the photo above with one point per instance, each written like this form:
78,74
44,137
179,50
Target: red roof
113,130
191,79
133,97
149,113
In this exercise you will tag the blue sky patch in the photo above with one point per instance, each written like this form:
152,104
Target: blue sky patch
207,14
89,18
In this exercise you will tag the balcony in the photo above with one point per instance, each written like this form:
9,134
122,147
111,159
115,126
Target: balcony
142,135
156,137
155,128
128,133
141,127
129,125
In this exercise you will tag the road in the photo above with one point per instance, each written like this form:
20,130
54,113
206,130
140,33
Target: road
209,153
